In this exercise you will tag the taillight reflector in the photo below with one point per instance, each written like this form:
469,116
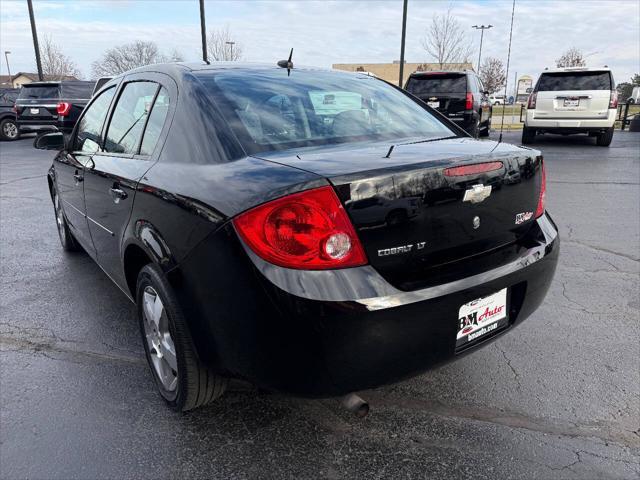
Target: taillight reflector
613,99
543,190
309,230
63,109
472,169
532,100
468,104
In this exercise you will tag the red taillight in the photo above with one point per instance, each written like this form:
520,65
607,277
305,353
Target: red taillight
472,169
613,99
543,190
63,109
532,100
468,104
308,230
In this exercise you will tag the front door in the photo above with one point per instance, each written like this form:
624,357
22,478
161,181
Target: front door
71,163
112,177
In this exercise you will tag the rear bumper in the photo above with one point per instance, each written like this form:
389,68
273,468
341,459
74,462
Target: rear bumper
576,125
320,334
36,125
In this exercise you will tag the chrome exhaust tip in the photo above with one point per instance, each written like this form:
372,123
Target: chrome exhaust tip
356,405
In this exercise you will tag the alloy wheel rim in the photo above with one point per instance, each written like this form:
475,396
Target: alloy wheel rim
59,217
10,130
162,350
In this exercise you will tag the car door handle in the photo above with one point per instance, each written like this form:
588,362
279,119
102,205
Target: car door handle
117,194
78,178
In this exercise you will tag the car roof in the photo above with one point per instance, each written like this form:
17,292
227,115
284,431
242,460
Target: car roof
576,69
441,72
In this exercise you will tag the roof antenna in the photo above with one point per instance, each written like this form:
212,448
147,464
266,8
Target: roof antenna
288,64
506,81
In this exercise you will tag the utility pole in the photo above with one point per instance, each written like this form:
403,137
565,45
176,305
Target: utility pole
482,28
6,58
203,32
35,39
404,34
231,47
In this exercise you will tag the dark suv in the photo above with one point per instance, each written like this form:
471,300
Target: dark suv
52,105
8,126
459,96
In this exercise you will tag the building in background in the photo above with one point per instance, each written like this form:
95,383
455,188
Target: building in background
391,71
20,78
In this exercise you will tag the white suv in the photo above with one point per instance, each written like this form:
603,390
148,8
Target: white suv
572,100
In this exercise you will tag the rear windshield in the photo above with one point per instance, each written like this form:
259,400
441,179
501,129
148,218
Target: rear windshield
269,110
428,84
40,91
552,82
80,90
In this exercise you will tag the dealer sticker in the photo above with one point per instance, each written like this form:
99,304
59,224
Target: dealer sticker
481,316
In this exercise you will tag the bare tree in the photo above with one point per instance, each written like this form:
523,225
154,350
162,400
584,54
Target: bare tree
492,74
119,59
571,58
446,40
222,47
55,64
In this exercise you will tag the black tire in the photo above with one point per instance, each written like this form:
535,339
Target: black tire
528,135
67,240
486,130
604,139
9,129
474,131
195,384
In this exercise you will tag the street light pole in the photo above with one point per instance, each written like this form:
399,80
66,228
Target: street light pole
404,34
35,39
482,28
6,58
231,48
203,32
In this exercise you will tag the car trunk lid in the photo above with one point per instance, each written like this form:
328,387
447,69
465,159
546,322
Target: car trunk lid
38,102
428,204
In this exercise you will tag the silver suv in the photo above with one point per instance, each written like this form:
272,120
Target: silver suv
572,100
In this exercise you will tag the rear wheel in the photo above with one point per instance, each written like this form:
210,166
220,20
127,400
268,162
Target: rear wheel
486,130
9,129
69,243
474,131
528,135
604,139
183,381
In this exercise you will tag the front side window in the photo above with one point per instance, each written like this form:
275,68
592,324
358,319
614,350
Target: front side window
556,81
269,110
129,117
90,125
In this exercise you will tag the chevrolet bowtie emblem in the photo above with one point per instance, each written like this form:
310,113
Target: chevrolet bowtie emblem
477,193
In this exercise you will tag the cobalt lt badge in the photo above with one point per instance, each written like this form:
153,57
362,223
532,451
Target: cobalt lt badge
476,222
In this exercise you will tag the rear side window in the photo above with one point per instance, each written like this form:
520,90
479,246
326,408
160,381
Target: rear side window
156,122
437,83
40,91
552,82
129,117
8,97
77,90
90,125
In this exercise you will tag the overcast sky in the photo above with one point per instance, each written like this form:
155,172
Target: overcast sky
325,32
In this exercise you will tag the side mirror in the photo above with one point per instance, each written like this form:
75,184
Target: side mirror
49,141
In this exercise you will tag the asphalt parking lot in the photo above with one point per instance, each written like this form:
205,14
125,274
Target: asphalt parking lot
558,397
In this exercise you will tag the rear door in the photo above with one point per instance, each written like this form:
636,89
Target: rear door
131,138
573,94
446,92
70,166
38,103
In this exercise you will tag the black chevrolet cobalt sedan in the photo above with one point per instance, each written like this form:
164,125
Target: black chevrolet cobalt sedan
313,232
